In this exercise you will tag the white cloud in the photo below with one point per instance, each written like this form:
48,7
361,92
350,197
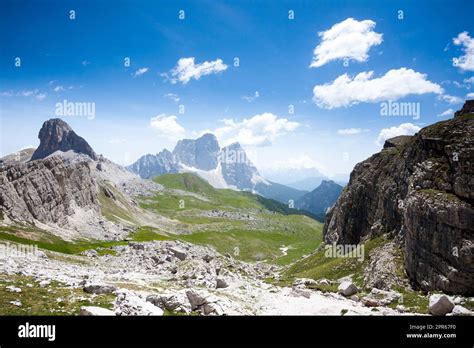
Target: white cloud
451,99
348,39
85,62
167,126
349,131
469,80
35,93
251,98
186,69
58,89
172,96
259,130
396,83
140,72
466,61
40,96
449,112
470,96
403,129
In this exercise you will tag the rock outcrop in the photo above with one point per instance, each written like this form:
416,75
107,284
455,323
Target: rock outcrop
419,189
48,190
57,135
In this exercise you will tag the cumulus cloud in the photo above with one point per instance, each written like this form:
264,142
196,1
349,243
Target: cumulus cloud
140,72
403,129
448,112
167,126
451,99
466,61
349,131
396,83
186,69
350,39
470,96
259,130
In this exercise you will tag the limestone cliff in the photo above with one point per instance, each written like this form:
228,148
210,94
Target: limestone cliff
419,189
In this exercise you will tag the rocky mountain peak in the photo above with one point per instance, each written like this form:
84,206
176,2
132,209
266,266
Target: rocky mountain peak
200,153
57,135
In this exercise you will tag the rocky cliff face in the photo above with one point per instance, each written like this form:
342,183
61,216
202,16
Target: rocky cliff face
149,166
237,168
48,190
200,153
419,189
57,135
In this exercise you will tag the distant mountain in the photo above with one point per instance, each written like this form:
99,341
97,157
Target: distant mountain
149,166
307,184
279,192
201,153
57,135
227,167
320,199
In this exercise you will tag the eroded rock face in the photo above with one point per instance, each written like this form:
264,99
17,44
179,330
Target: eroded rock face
57,135
419,189
46,190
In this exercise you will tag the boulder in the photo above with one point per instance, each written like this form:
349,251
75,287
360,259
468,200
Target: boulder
347,288
179,253
221,283
440,304
459,310
12,288
95,311
130,303
99,288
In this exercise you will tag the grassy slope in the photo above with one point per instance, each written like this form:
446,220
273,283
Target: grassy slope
55,299
273,225
317,266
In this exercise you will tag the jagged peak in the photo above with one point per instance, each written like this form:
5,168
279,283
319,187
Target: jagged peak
58,135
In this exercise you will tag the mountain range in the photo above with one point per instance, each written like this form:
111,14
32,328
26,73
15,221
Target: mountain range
226,167
410,206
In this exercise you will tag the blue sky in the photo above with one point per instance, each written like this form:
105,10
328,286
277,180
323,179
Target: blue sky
137,110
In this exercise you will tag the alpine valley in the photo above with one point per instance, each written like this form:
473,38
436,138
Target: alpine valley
199,231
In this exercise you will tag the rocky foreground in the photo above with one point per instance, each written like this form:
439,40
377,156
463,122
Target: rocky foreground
172,277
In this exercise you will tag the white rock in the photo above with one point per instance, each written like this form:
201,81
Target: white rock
459,310
12,288
129,303
99,288
44,283
91,310
179,253
347,288
16,303
440,304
